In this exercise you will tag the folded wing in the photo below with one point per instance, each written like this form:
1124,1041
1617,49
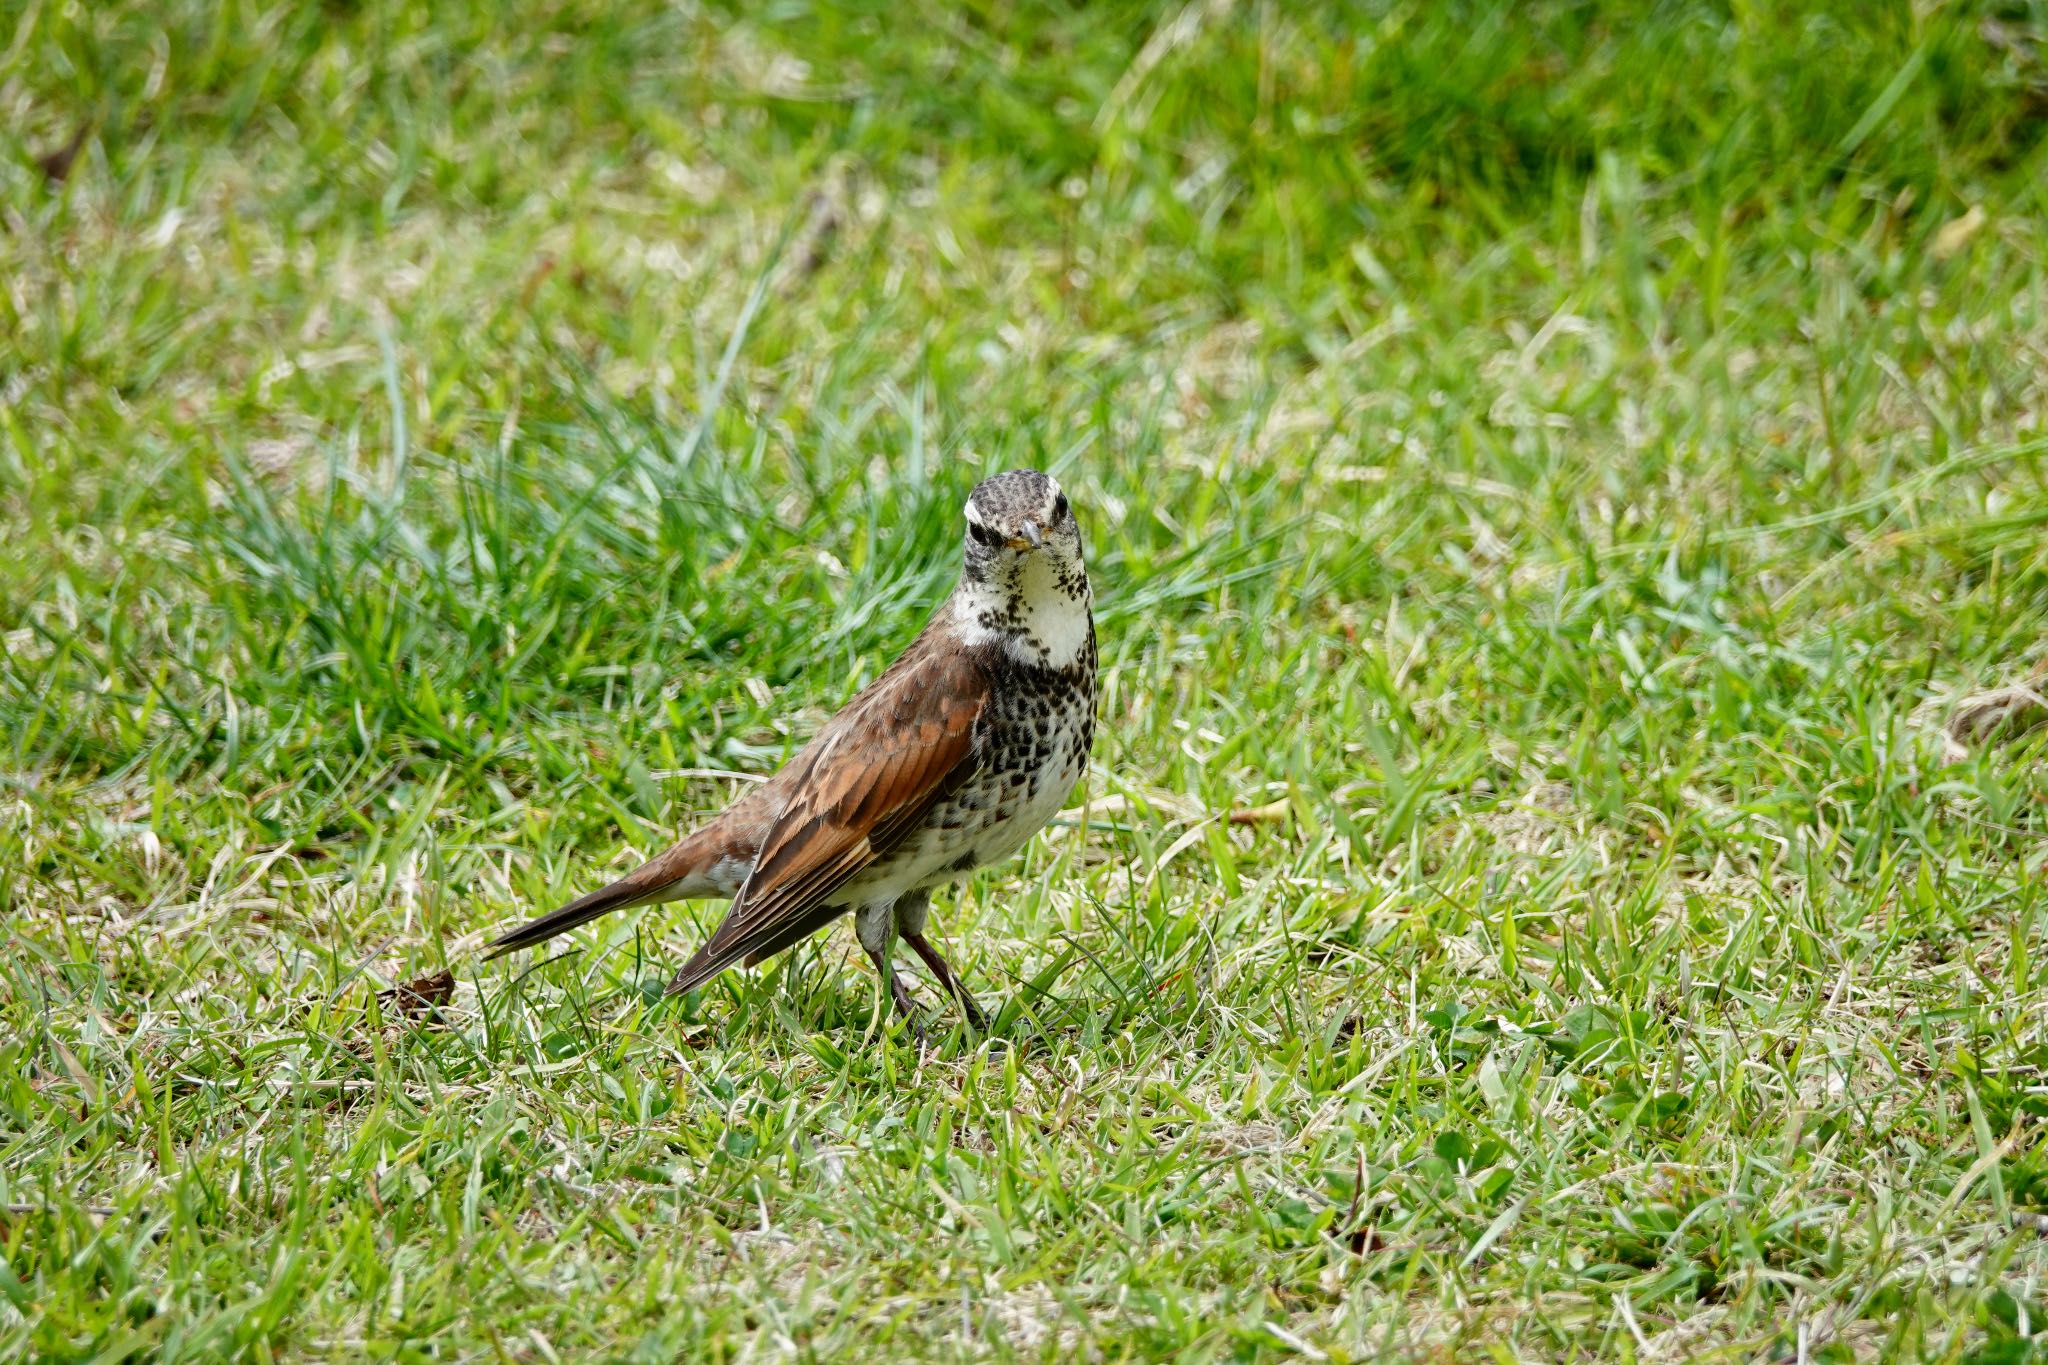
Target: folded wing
868,780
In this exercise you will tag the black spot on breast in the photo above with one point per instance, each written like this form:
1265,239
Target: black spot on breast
966,862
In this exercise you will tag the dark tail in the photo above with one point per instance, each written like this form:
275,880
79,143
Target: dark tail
582,910
674,875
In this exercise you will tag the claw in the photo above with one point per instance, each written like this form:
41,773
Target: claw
949,982
907,1007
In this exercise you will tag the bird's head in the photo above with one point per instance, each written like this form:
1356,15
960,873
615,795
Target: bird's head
1021,535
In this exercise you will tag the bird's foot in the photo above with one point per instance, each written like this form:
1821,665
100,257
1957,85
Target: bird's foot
974,1013
948,981
913,1017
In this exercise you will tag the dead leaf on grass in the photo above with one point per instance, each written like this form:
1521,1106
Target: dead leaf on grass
420,997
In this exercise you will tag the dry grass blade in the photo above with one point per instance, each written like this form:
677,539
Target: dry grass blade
1993,716
2001,713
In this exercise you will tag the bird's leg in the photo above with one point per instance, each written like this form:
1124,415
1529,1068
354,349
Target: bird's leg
923,948
910,916
876,927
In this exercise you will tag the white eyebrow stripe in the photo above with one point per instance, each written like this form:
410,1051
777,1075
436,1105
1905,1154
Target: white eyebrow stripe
972,513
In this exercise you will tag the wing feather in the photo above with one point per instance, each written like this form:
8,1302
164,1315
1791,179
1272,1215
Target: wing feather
868,779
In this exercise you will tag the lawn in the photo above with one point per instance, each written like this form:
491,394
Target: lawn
1562,480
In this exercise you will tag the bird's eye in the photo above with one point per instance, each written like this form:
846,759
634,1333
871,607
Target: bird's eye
987,535
1059,509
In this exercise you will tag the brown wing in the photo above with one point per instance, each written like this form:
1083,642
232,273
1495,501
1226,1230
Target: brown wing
865,781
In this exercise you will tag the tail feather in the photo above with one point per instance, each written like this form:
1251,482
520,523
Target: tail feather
582,910
699,866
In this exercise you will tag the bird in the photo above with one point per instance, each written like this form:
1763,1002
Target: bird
947,762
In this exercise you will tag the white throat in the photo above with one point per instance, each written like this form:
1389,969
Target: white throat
1035,620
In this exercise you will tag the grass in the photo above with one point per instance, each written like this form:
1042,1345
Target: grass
1549,471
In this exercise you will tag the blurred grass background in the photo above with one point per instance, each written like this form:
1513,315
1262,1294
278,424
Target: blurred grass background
1550,471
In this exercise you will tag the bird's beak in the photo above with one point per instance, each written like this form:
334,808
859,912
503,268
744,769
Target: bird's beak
1031,539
